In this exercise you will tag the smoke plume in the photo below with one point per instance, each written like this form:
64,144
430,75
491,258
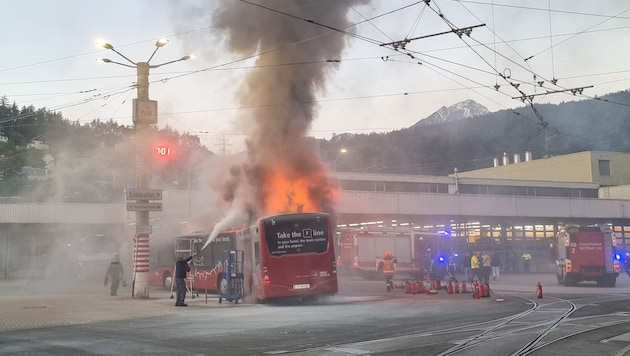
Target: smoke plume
283,172
287,88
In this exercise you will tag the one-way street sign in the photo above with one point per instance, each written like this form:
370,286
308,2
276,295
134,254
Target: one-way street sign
133,206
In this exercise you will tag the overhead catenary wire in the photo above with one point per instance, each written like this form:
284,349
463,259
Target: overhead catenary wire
381,15
228,68
569,12
529,99
579,33
275,49
503,41
366,19
525,97
413,28
494,48
465,88
553,69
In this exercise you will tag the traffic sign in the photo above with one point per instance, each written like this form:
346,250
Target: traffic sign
144,194
144,229
133,206
144,111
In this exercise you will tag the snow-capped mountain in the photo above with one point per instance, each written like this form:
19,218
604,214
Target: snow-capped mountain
459,111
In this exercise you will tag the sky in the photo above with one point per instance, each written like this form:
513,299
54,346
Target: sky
49,59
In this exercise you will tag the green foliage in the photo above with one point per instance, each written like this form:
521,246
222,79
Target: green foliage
90,163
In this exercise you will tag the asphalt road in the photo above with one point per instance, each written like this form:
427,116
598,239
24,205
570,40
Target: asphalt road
363,319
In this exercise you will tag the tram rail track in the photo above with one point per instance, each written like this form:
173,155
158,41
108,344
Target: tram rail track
494,332
535,343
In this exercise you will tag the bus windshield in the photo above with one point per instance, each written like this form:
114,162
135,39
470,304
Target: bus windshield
290,235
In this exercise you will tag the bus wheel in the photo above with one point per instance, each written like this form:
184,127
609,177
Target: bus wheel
167,281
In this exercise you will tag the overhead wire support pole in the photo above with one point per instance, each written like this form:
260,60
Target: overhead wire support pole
144,115
458,31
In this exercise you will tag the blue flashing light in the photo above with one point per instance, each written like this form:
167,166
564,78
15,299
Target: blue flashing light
456,254
617,257
441,259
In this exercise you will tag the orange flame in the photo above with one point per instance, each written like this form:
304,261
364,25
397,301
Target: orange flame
284,194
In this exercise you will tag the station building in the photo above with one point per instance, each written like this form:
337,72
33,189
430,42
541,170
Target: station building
516,205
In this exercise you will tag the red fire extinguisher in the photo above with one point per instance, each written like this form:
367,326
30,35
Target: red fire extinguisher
539,292
475,290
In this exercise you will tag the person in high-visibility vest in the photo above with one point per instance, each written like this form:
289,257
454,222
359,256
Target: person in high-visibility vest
474,266
526,258
389,265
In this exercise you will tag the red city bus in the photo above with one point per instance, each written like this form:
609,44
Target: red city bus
290,255
206,267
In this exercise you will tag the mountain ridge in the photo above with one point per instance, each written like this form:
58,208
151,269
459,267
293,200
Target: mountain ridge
459,111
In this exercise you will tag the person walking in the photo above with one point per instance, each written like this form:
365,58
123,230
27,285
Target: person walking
114,275
389,266
527,257
496,267
181,270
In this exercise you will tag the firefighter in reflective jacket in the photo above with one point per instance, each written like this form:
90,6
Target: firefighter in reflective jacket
388,265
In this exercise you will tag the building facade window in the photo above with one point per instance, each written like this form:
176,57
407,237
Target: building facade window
604,167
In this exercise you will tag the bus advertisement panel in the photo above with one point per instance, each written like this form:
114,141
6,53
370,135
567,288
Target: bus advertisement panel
290,255
206,267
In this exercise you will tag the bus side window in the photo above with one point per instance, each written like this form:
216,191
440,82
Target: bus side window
257,253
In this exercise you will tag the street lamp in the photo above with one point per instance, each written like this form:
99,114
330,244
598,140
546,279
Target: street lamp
341,151
144,114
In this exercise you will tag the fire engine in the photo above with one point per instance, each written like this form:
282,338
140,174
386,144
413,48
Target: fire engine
587,253
417,252
345,250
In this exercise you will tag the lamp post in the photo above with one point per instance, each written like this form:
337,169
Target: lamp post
341,151
144,114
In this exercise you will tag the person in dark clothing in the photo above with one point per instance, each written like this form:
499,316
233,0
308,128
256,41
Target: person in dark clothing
181,270
466,267
496,267
114,274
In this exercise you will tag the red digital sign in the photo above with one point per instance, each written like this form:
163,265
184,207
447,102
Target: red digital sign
163,151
